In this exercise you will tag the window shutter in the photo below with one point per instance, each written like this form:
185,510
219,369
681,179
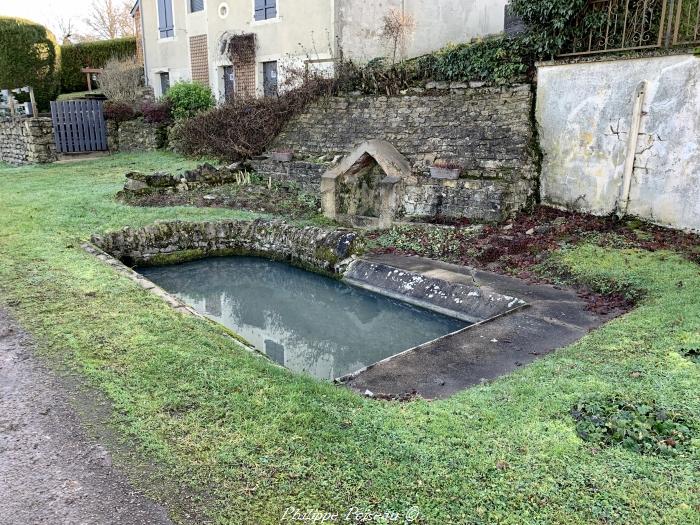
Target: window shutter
165,18
271,9
196,5
162,17
259,9
169,10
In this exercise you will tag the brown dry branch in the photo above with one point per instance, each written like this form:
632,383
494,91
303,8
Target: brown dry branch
245,127
397,28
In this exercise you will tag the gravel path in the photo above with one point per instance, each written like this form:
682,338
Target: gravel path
51,471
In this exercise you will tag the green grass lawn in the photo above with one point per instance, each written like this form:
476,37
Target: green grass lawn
258,439
78,94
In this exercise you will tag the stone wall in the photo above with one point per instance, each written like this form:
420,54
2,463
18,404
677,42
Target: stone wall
485,130
306,174
172,242
136,135
206,175
585,113
27,141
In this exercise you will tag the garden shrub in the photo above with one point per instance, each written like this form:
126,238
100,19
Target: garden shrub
243,128
377,77
156,112
637,426
29,56
122,79
495,61
119,111
188,99
74,57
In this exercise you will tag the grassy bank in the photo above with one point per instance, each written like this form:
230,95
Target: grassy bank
259,439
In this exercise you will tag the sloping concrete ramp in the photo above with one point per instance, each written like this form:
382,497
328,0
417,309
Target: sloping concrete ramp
553,319
463,300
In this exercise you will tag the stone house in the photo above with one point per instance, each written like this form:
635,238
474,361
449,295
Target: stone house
182,39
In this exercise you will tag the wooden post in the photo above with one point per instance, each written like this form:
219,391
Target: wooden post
633,139
11,103
32,100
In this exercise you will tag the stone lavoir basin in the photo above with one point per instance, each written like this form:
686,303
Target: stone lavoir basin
309,300
306,322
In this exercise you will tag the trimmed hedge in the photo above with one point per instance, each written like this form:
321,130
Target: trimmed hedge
74,57
29,56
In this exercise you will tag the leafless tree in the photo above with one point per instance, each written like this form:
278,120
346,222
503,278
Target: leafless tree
110,19
397,28
65,30
121,79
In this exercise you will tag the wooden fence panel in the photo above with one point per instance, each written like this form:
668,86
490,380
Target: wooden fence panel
79,126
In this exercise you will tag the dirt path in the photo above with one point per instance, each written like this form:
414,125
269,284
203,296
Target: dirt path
51,471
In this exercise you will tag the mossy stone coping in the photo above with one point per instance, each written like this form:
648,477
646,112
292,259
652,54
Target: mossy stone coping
313,248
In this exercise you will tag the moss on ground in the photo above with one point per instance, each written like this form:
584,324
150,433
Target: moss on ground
258,439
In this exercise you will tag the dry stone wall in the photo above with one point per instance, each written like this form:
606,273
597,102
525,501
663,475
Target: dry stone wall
485,130
27,141
136,135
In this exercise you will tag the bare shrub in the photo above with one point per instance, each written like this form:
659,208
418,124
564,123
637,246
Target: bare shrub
245,127
397,28
121,80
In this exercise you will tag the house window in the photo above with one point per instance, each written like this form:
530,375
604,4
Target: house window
166,27
270,79
164,83
265,9
196,5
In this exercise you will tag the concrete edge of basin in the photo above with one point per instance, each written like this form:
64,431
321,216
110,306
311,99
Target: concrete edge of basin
400,277
466,301
352,375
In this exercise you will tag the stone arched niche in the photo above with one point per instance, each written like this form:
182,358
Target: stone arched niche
364,189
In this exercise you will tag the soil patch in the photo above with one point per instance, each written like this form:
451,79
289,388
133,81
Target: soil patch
520,247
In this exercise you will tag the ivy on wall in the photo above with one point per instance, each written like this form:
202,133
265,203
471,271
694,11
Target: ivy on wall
551,24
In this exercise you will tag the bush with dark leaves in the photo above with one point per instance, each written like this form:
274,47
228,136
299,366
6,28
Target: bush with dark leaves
157,112
119,111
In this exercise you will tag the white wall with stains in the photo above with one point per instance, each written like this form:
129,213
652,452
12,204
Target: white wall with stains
584,113
437,23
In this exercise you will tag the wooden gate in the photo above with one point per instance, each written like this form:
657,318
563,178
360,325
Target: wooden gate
79,126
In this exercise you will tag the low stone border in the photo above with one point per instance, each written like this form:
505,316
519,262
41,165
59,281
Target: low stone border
206,175
139,279
312,248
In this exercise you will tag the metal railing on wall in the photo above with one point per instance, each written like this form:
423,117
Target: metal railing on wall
625,25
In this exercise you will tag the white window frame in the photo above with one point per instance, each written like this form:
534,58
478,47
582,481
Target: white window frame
165,38
255,22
